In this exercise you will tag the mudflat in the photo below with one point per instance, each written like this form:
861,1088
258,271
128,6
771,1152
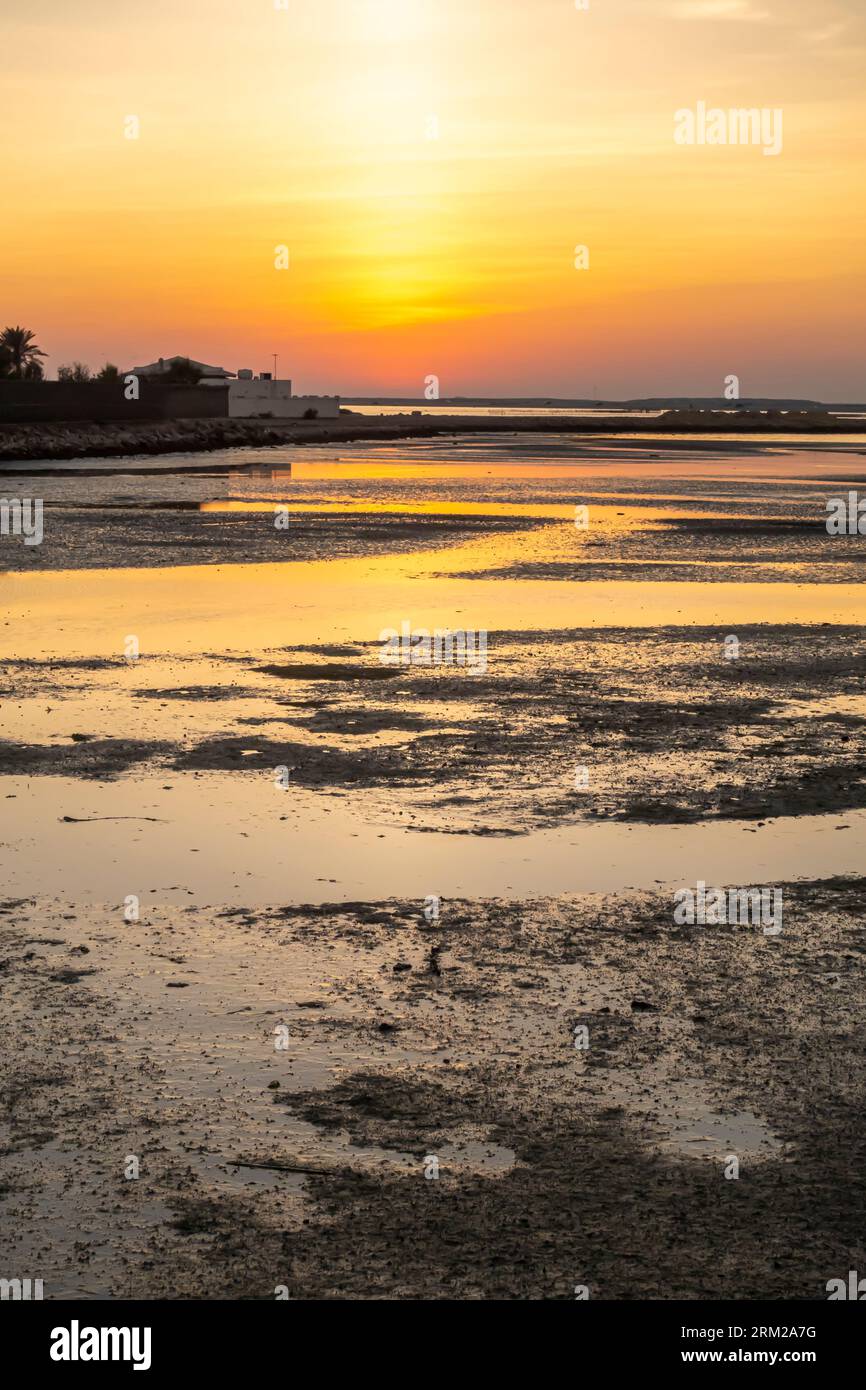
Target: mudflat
324,977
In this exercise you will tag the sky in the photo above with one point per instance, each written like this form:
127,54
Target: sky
431,167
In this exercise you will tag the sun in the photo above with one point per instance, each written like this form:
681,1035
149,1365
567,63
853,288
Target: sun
393,21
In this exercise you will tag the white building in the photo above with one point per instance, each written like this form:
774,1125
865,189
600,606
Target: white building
261,396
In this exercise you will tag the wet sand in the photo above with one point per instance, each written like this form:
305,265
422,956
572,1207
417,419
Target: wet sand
665,728
409,1040
281,1037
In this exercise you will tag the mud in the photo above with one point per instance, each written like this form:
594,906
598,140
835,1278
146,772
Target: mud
108,538
243,1054
714,550
667,727
557,1166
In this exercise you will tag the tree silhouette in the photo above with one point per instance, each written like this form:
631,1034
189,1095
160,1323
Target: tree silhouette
74,371
181,373
23,352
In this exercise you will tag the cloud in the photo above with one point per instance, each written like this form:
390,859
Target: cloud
719,9
830,33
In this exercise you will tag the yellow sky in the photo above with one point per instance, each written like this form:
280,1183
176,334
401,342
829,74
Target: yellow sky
431,166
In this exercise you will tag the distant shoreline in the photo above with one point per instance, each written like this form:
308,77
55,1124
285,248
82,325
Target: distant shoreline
23,443
456,404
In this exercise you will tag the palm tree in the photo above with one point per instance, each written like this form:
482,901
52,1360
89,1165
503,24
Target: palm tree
23,352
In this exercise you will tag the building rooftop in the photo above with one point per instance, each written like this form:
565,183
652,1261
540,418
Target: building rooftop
165,364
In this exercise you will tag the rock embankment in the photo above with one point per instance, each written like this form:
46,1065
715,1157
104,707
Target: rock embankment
75,439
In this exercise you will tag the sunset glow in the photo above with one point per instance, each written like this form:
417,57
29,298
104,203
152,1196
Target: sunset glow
431,167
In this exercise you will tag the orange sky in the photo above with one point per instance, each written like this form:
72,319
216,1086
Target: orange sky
310,127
